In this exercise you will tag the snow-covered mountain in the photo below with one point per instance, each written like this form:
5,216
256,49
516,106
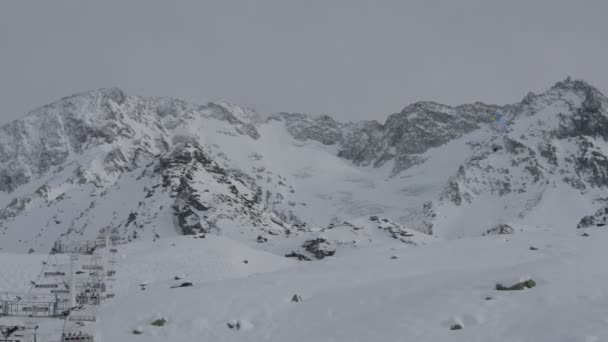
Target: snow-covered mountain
547,171
298,184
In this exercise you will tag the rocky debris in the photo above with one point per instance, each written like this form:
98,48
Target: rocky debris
296,298
501,229
585,235
455,327
394,230
234,325
532,248
320,248
261,239
299,256
137,332
526,284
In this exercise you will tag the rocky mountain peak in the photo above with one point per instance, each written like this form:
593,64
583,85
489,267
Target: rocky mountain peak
578,85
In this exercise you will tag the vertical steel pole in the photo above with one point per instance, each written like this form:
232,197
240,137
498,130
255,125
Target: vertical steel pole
73,259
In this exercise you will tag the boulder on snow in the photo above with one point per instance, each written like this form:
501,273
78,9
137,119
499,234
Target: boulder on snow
527,284
456,327
501,229
159,322
319,247
296,298
261,239
137,332
184,284
241,324
235,325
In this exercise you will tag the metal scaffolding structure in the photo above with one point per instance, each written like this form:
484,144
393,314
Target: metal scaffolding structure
66,290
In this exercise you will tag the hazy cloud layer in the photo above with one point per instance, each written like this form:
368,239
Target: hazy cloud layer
349,58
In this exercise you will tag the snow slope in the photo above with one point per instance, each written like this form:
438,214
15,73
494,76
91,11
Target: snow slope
367,296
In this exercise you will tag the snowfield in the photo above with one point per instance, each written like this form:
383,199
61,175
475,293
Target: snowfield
390,293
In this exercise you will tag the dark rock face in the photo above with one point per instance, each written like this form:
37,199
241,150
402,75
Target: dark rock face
182,172
177,169
591,118
401,139
362,142
591,164
426,125
303,127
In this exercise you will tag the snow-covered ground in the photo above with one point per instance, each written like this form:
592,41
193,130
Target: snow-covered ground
381,293
368,296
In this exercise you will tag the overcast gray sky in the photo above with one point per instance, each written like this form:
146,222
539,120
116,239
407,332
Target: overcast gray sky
352,59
